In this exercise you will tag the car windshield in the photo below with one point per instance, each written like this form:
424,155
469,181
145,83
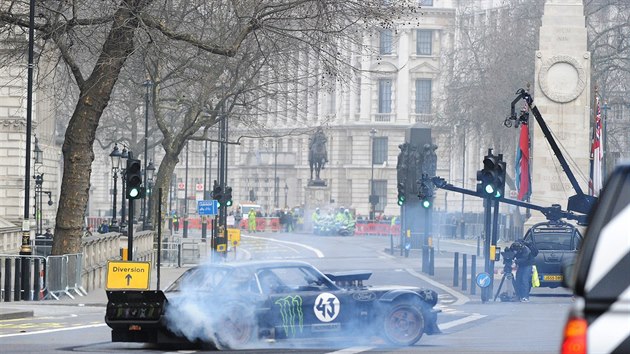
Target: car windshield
280,279
547,240
200,279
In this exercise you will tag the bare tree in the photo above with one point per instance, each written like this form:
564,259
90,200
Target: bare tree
94,40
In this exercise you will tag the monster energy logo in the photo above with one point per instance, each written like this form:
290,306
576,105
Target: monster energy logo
292,316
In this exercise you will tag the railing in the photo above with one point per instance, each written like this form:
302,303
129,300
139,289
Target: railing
383,117
43,276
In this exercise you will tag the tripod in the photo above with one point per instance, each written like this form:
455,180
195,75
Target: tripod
511,284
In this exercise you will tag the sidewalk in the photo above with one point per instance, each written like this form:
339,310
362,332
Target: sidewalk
97,297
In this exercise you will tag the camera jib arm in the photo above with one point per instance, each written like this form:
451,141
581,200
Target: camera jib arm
552,213
580,203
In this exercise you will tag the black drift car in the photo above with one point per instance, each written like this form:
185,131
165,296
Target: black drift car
558,244
242,305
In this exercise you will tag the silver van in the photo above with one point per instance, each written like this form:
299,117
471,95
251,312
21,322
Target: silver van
599,320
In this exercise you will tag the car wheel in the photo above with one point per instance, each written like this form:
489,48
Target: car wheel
235,331
403,324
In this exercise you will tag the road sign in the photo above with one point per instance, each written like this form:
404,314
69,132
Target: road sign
128,275
207,207
234,236
181,185
199,187
483,280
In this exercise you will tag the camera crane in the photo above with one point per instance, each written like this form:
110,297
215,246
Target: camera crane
580,202
578,206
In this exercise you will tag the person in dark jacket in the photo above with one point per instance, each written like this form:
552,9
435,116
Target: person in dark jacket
524,262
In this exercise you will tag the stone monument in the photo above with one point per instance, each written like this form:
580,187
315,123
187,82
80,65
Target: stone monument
317,193
562,94
317,156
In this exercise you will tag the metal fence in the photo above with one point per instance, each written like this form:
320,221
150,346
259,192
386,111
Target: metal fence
177,251
64,276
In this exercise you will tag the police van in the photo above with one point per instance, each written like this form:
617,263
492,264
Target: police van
599,320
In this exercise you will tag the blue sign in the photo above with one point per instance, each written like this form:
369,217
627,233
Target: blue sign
207,207
483,280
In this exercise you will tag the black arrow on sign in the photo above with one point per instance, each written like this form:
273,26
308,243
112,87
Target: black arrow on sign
128,277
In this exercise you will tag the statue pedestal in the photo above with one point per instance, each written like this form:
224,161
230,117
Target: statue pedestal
316,196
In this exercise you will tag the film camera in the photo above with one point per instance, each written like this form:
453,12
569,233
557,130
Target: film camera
510,253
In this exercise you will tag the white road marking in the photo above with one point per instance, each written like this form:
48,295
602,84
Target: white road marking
352,350
461,298
461,321
51,330
317,252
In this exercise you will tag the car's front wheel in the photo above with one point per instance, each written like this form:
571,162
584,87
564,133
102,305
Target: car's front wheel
403,324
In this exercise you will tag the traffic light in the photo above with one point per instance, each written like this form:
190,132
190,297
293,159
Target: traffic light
425,192
401,193
492,177
227,196
217,193
134,179
487,177
500,180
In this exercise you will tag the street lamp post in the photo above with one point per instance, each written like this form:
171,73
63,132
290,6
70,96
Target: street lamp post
185,231
286,193
372,196
149,173
39,181
25,248
147,84
115,156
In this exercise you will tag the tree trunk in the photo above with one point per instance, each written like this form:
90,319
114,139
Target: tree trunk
163,180
79,139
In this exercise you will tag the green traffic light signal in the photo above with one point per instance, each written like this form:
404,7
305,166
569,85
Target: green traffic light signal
134,193
401,200
133,179
426,204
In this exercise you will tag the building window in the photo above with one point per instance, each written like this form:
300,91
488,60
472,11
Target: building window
385,96
423,96
379,150
424,42
425,2
380,189
386,41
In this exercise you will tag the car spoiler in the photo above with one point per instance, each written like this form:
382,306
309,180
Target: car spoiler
349,279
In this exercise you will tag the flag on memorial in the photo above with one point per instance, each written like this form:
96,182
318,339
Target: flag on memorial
597,154
523,177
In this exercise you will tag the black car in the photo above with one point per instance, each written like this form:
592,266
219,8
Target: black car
240,305
557,243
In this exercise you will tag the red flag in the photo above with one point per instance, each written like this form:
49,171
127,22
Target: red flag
523,180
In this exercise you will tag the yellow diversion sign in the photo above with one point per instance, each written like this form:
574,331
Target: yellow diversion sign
128,275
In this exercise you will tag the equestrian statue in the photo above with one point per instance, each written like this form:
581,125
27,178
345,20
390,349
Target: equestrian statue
317,155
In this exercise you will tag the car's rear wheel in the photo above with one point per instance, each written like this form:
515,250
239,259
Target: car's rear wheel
234,329
403,324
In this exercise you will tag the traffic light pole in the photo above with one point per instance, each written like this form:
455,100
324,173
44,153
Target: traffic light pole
130,228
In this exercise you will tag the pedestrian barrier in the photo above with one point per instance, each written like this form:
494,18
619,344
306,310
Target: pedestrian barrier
170,252
64,276
274,224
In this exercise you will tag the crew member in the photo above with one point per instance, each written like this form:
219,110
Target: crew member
175,222
251,220
524,262
315,216
340,216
